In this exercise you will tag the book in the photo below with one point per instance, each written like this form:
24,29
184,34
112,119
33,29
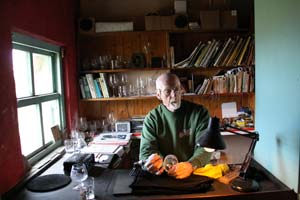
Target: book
229,51
203,61
86,88
245,84
202,54
104,86
82,88
238,52
98,91
233,52
245,47
222,52
215,52
203,85
90,81
209,54
104,92
197,88
188,61
239,75
195,55
208,87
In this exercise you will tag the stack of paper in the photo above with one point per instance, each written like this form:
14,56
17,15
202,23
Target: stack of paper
113,138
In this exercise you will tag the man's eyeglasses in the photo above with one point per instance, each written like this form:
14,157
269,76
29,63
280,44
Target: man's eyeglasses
168,91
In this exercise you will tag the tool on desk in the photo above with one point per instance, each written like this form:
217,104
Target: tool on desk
137,167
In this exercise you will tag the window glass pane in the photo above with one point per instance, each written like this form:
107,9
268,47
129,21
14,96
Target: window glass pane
51,118
30,129
22,73
43,80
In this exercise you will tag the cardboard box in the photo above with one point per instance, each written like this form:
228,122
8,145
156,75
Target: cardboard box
152,22
166,23
162,23
229,19
113,26
210,19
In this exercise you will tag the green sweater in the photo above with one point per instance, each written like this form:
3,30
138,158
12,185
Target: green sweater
166,132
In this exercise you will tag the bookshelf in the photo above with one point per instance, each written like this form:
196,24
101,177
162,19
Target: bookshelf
128,45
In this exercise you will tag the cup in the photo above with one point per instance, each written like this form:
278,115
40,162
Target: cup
169,161
89,185
69,145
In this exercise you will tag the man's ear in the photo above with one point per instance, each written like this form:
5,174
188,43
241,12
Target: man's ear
158,94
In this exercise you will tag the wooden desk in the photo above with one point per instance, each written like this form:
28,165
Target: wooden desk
105,180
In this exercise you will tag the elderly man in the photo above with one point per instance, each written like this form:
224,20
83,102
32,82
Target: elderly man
173,127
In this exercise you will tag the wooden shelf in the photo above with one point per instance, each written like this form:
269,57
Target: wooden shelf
121,98
222,31
185,96
122,70
128,43
194,69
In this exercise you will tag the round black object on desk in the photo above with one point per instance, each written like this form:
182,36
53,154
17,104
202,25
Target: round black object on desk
48,183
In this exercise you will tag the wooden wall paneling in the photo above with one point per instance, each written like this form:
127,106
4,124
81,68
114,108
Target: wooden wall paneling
214,102
131,44
156,43
130,108
122,109
115,45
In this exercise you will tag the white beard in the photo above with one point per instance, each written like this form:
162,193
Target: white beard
174,105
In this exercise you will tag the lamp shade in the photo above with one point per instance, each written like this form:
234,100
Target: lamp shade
211,138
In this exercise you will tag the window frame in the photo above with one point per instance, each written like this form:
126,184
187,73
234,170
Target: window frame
32,45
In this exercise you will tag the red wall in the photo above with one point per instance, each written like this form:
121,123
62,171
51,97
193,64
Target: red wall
53,21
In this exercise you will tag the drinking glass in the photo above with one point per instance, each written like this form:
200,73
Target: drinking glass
89,184
169,161
123,85
78,140
113,83
79,174
124,79
69,145
111,120
83,124
141,86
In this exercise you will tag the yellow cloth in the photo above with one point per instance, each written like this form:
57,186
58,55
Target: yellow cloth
212,171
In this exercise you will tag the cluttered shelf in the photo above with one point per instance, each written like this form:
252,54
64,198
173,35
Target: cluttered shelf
216,31
185,96
122,70
214,59
212,69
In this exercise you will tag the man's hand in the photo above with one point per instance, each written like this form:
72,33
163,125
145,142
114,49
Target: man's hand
154,164
181,170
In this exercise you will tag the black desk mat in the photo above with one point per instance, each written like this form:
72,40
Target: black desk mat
121,182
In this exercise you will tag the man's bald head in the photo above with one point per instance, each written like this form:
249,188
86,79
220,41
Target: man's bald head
168,90
166,79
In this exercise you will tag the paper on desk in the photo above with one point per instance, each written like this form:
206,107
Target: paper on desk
113,138
229,110
101,148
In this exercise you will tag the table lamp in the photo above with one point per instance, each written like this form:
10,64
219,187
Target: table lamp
212,139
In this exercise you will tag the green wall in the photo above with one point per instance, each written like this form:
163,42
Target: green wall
277,117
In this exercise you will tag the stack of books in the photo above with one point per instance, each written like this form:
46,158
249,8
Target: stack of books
233,51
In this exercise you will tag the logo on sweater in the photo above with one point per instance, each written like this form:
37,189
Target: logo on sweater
185,133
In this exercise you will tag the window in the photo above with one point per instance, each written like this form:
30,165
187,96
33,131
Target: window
37,73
